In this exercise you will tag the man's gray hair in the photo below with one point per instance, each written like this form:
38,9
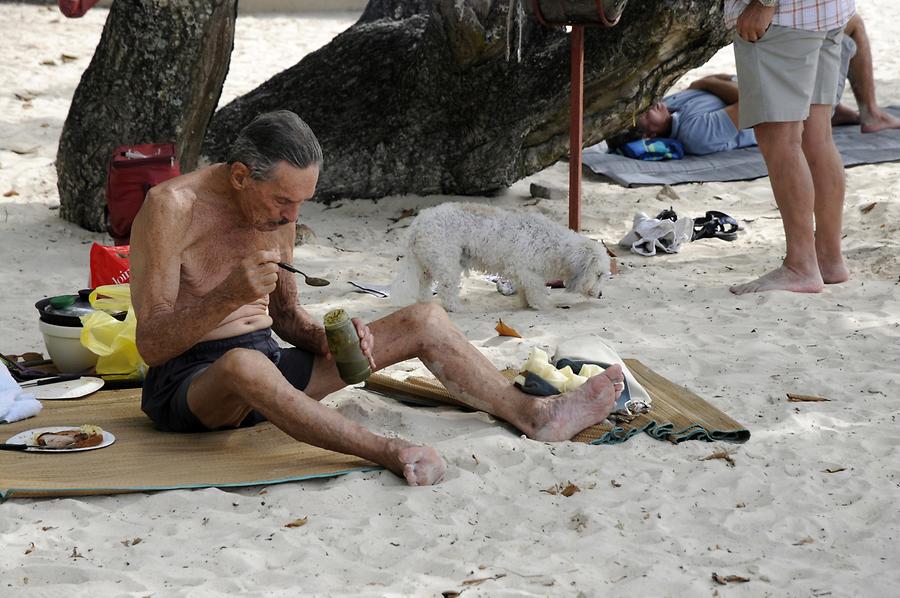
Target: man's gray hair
272,137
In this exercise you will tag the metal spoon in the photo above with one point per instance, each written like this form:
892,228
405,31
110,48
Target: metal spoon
310,280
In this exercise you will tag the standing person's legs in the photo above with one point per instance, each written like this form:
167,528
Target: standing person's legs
792,185
777,77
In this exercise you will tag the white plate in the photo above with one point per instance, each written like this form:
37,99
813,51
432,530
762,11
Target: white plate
27,437
68,389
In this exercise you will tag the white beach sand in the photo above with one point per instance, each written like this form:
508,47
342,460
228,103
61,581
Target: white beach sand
651,518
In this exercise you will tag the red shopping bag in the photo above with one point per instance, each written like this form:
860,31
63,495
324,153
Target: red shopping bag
133,170
109,265
75,8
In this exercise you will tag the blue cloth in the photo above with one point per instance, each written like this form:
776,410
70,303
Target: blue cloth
699,122
653,149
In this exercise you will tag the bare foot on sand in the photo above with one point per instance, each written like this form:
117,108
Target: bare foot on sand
418,465
563,416
878,120
834,271
782,279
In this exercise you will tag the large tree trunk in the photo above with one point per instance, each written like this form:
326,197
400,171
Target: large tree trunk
420,96
156,76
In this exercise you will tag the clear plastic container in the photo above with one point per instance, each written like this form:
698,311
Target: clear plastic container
343,342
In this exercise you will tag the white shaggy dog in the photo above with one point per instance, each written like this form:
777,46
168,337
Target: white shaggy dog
526,247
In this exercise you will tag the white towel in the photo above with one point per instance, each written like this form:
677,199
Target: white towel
15,403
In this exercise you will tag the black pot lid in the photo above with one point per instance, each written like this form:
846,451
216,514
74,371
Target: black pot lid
65,310
74,309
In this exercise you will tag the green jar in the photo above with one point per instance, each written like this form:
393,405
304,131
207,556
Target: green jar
343,342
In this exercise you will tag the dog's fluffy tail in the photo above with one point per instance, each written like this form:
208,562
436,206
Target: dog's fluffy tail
405,286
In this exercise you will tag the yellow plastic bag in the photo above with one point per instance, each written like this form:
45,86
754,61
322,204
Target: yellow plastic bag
112,340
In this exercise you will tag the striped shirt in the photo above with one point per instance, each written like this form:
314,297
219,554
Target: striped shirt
809,15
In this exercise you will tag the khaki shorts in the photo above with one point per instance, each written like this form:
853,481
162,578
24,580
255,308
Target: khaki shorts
785,72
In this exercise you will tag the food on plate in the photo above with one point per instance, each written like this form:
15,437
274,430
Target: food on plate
83,437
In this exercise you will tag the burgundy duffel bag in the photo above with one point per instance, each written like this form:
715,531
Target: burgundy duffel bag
75,8
133,170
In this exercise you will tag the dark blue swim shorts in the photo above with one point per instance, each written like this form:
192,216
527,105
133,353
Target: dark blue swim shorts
164,397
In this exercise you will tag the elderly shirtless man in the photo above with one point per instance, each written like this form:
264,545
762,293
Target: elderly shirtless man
208,293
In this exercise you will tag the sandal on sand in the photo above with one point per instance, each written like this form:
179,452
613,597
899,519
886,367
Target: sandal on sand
715,225
668,214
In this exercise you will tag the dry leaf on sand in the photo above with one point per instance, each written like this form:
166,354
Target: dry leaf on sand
793,398
297,522
570,490
720,455
504,330
727,579
613,264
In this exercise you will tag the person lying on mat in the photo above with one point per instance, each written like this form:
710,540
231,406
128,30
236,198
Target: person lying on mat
208,292
704,118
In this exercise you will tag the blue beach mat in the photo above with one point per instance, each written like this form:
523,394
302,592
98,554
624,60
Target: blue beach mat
736,165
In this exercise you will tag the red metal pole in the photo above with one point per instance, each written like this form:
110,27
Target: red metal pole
576,42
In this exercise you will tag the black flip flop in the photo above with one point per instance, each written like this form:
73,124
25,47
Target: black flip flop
668,214
715,225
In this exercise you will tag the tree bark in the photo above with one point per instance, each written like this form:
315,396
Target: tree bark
420,96
156,76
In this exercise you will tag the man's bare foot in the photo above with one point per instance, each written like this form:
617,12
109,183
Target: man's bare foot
419,465
844,115
563,416
834,271
878,120
781,279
